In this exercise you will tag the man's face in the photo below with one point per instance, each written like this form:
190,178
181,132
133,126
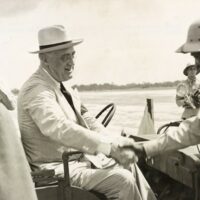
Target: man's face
60,64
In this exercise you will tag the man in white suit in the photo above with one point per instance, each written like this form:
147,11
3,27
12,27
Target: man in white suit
52,119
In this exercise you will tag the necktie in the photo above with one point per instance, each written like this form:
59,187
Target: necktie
100,160
67,96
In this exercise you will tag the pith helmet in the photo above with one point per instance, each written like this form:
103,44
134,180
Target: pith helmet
189,66
192,43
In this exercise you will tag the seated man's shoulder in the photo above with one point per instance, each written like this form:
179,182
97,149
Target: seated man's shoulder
32,88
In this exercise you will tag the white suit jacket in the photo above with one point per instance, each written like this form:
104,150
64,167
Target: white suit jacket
48,124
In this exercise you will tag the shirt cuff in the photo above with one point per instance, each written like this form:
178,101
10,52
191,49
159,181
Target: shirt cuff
104,148
151,148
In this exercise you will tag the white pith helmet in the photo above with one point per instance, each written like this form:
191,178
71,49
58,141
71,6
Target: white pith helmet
192,43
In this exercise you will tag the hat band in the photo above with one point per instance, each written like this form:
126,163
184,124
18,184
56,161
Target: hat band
53,45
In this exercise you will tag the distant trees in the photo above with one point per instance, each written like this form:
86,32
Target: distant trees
112,86
109,86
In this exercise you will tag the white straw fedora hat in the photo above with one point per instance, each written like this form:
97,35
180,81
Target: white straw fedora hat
53,38
192,43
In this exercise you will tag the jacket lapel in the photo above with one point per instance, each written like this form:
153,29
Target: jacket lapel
77,104
65,106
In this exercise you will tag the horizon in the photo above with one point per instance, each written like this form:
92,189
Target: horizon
135,83
126,84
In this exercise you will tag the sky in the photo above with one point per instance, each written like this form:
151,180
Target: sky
125,41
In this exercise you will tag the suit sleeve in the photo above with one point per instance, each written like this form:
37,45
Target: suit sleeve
188,133
53,123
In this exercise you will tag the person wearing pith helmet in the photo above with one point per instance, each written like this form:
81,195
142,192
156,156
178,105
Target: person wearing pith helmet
187,92
192,44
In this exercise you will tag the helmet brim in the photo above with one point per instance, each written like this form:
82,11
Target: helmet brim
189,48
185,71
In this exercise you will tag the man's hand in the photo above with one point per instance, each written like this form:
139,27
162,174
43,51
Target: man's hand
123,156
137,148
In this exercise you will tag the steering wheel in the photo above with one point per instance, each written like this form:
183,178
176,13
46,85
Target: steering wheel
109,115
166,126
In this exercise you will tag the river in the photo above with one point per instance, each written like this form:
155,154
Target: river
131,104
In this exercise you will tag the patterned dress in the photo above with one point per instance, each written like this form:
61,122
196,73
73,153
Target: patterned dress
184,97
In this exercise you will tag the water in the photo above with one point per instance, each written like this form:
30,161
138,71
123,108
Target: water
131,104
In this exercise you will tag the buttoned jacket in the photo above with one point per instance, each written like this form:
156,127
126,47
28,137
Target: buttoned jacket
48,125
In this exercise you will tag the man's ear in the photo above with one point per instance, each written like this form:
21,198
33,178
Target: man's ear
43,57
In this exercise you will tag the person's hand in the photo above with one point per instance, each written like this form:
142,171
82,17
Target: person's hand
123,156
135,147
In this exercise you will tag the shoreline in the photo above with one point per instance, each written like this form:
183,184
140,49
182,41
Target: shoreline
132,89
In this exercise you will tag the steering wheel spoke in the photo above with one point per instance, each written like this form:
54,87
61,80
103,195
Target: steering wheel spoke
106,120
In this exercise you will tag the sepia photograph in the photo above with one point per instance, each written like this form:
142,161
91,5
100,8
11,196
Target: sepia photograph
100,100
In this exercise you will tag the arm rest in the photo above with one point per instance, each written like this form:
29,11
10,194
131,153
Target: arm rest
44,177
69,156
42,174
75,191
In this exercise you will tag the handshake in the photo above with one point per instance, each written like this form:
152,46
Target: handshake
127,151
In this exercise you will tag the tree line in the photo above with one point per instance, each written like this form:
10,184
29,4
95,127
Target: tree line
111,86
